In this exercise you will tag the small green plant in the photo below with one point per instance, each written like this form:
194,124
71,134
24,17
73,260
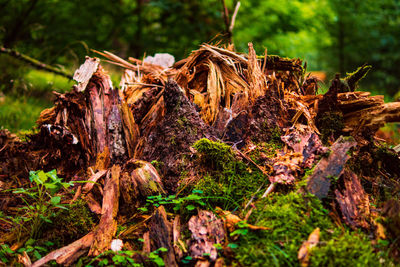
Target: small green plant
41,200
125,258
242,229
5,253
187,259
155,257
188,202
34,250
119,258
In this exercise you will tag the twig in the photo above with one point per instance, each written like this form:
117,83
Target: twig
34,62
226,15
234,17
145,84
251,161
253,196
270,188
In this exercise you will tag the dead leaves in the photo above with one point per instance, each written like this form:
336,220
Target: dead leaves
231,221
207,230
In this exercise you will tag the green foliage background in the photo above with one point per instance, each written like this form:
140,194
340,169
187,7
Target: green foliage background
331,35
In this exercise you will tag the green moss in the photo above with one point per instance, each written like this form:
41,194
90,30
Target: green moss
172,140
227,182
158,165
212,187
330,124
353,78
24,134
302,183
268,150
217,155
182,122
276,136
383,152
70,225
350,249
291,218
347,139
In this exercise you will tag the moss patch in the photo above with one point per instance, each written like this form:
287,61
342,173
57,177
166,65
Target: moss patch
70,225
330,125
291,218
217,155
350,249
227,182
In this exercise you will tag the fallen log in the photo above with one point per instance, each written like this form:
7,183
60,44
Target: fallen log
372,117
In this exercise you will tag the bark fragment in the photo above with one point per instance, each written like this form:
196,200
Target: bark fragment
85,73
330,168
139,180
353,202
307,246
161,235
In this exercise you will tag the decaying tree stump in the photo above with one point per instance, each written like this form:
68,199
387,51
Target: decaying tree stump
110,137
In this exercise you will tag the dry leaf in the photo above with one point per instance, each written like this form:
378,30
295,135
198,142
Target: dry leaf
304,251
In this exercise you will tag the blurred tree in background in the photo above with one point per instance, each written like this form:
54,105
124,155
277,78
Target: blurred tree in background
58,31
365,32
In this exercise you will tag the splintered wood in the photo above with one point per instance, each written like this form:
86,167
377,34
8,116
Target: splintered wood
108,224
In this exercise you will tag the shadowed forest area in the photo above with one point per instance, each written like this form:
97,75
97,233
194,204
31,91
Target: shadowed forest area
199,133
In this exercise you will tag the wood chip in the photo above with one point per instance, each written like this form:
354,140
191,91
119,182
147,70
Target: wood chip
85,73
304,251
